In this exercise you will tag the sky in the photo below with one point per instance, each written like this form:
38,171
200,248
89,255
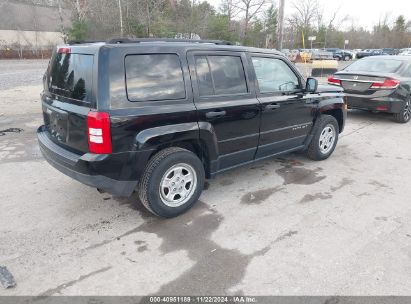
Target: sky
363,13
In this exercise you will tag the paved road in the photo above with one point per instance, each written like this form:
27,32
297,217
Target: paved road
287,226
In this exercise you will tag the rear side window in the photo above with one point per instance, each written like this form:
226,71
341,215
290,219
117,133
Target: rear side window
205,82
407,72
220,75
71,76
154,77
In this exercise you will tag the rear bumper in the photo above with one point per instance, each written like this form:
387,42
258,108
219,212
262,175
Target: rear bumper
111,173
383,104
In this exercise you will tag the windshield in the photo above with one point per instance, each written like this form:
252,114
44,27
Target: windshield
375,65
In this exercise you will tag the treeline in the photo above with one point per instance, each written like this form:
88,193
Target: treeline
308,19
250,22
247,22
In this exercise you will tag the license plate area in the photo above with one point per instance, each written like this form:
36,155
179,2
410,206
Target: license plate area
57,123
356,86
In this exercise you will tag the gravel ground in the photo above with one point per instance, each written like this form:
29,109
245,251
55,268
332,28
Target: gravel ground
20,86
287,226
15,73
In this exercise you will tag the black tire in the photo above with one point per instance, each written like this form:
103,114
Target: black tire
347,58
323,122
405,115
149,185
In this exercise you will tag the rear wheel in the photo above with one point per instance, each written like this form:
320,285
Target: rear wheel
347,58
325,138
172,182
405,115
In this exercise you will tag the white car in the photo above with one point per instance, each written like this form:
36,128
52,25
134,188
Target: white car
405,52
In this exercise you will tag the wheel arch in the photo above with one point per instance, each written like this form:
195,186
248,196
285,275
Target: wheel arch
334,107
338,115
198,138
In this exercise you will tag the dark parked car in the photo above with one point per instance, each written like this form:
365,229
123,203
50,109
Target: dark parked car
332,50
161,116
363,53
390,51
340,54
368,53
380,83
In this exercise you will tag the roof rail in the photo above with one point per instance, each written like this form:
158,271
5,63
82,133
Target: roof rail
138,40
83,41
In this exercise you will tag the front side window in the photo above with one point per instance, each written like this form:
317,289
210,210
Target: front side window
154,77
220,75
274,75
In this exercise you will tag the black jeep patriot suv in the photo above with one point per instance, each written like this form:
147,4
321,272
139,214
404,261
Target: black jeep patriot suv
159,116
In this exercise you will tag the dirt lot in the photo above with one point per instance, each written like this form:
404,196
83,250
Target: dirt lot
285,226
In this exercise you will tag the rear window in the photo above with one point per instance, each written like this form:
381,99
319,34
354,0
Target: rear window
71,76
154,77
375,65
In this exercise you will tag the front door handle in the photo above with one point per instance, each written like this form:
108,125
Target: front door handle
272,106
215,114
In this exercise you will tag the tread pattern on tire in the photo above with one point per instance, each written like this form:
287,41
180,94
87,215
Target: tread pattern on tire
312,148
151,166
399,117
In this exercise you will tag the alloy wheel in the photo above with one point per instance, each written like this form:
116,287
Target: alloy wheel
407,111
178,185
327,139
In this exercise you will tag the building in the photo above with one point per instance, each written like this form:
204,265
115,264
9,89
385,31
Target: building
30,26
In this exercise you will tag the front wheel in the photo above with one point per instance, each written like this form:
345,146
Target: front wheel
347,58
405,115
325,138
172,182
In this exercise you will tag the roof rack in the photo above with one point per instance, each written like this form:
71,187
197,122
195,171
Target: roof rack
138,40
83,41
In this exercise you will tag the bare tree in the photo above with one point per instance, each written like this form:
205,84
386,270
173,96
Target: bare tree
382,32
305,14
333,22
151,9
79,7
103,18
229,8
250,9
120,10
142,12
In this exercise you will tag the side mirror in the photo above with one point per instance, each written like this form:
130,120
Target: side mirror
311,85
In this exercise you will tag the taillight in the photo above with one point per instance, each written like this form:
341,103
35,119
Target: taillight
382,108
99,133
333,80
387,84
64,50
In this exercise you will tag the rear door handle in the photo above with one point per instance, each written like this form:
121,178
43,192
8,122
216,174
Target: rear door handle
215,114
272,106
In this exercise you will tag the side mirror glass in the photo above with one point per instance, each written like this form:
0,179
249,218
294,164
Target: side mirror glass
311,85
